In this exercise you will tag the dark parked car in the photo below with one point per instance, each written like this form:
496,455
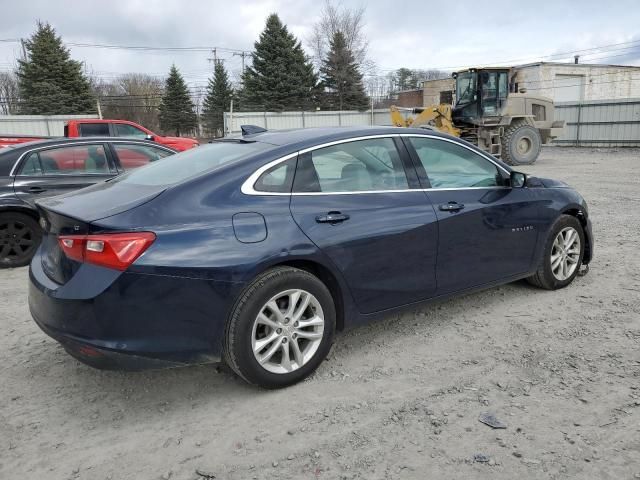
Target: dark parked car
34,170
258,249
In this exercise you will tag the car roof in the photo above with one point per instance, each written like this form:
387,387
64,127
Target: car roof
66,140
302,137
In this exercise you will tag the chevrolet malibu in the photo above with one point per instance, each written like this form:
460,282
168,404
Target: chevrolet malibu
256,250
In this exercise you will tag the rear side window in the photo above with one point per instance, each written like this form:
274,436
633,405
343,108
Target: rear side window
76,160
94,130
278,178
449,165
362,165
193,162
31,166
133,156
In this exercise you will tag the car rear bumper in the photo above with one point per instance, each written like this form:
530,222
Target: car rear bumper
109,319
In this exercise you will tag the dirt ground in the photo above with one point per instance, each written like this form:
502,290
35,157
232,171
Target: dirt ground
399,399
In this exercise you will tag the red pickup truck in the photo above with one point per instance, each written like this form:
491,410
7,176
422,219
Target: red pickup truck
107,128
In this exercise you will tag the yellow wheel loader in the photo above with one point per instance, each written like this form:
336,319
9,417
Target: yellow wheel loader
512,126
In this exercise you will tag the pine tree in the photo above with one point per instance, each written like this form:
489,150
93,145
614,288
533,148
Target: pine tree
176,108
50,82
217,100
341,79
281,76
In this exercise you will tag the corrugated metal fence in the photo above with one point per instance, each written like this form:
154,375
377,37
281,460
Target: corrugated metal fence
45,125
598,123
286,120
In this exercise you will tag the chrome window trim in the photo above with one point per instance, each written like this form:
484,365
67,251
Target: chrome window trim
248,185
13,173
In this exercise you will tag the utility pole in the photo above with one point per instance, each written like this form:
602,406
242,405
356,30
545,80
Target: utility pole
214,58
24,49
242,55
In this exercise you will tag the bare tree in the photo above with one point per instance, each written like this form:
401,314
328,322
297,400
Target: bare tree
350,22
133,96
9,93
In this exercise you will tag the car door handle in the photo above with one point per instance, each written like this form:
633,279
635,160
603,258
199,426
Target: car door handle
451,207
332,217
36,189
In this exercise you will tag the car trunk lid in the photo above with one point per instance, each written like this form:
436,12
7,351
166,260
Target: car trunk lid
76,213
101,200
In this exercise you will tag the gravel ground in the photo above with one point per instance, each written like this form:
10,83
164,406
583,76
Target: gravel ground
399,399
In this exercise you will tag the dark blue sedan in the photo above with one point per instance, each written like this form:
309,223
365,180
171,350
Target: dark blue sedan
256,250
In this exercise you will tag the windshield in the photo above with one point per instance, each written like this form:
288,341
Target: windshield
177,168
466,87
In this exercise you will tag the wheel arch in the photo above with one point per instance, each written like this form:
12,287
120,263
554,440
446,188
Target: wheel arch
19,209
577,212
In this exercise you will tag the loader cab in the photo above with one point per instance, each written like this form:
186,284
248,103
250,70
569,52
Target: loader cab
480,94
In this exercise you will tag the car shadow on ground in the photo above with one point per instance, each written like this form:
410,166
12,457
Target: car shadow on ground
185,385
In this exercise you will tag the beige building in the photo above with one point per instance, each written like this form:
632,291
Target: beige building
562,82
432,90
571,82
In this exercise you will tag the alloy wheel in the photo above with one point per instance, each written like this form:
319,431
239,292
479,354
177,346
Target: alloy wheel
287,331
565,253
17,240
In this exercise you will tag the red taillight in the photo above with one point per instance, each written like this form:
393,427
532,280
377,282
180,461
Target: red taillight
112,250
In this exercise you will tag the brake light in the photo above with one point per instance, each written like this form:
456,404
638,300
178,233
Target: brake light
111,250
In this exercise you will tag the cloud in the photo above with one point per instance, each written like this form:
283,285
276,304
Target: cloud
401,33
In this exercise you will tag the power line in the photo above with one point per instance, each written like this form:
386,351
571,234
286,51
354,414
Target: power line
151,48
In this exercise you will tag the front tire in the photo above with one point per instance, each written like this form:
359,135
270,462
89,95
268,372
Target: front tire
20,236
562,255
521,144
281,328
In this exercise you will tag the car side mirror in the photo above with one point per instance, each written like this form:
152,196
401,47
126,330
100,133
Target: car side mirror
151,138
518,180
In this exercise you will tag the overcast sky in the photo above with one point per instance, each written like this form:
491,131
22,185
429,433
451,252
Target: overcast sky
415,34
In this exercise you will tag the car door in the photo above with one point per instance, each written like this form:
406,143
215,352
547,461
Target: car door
133,155
353,199
51,171
487,230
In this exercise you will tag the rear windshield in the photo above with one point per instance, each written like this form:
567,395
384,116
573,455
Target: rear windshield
177,168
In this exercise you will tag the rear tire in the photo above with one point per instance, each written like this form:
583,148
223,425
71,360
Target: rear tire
273,338
521,144
558,248
20,237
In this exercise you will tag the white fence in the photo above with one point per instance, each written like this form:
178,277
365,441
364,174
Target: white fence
287,120
45,125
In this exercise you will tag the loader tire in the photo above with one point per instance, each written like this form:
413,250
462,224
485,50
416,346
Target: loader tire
521,144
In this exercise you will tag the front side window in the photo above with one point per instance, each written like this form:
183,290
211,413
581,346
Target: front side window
94,130
125,130
449,165
76,160
134,156
362,165
502,85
